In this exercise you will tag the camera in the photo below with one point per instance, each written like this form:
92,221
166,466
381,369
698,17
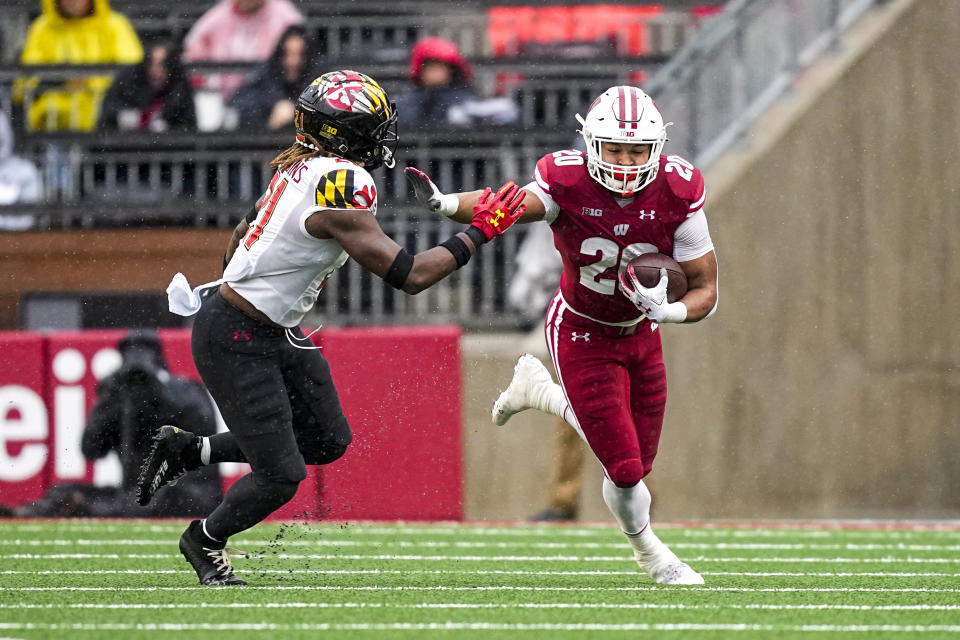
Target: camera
142,358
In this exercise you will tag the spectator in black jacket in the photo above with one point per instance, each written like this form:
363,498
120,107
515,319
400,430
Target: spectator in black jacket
132,404
154,95
267,97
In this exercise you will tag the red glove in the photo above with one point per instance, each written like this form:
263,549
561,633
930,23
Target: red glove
494,217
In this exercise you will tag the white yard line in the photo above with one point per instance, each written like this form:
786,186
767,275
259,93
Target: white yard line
486,605
810,528
511,558
328,542
469,626
506,588
440,572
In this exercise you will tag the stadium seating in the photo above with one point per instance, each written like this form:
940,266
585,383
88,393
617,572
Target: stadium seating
103,181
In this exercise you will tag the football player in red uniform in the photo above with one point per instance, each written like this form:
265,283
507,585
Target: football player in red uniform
619,199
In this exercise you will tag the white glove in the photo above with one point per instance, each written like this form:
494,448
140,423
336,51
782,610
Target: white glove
428,195
652,301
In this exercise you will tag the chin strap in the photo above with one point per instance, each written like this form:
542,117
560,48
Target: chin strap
388,160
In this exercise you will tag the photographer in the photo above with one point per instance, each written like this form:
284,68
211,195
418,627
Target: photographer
132,404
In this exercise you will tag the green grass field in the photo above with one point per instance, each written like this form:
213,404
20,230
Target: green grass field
93,579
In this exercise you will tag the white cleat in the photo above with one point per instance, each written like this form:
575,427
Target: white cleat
679,573
665,568
529,375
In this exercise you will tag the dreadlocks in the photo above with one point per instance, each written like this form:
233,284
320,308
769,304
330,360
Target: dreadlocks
297,151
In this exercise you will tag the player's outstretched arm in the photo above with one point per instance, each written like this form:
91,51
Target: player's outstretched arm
362,238
459,206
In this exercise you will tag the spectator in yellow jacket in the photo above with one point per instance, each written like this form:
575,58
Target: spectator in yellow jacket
75,32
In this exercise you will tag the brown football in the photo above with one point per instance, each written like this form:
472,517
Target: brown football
647,267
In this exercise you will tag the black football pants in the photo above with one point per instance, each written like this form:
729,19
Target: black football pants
279,403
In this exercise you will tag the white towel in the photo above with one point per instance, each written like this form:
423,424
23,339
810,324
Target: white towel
183,300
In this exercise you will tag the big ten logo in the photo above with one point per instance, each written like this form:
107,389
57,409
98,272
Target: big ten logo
34,429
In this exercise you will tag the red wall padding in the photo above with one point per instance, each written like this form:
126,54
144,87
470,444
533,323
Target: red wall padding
399,386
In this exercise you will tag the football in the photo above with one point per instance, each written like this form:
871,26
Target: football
647,267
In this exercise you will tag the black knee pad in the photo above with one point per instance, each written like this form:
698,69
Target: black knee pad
290,469
331,446
326,453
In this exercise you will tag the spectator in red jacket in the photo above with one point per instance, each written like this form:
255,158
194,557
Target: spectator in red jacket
441,91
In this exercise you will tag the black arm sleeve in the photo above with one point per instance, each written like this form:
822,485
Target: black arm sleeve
397,273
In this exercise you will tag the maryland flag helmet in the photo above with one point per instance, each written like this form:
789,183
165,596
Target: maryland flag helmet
350,114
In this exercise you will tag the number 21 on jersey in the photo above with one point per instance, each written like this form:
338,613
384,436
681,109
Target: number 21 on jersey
266,210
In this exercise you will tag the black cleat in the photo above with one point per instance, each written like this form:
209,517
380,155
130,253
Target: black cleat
165,463
208,557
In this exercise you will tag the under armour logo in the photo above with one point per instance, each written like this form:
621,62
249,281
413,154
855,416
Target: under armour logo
495,221
580,336
621,229
643,215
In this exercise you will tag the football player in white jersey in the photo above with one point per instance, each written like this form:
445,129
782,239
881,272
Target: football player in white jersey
272,386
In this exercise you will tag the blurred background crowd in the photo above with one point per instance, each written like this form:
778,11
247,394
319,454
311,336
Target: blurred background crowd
122,114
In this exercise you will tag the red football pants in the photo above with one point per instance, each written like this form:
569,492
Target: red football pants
616,385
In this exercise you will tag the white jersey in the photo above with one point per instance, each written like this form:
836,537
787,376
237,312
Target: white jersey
280,268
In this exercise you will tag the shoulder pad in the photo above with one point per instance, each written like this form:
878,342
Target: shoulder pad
349,187
565,168
684,180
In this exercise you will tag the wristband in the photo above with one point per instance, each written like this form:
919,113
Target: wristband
459,249
476,235
399,270
674,312
449,203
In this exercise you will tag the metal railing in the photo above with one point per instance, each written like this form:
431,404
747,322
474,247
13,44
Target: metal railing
201,181
105,172
738,63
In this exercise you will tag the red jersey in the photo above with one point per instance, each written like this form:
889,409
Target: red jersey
597,238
